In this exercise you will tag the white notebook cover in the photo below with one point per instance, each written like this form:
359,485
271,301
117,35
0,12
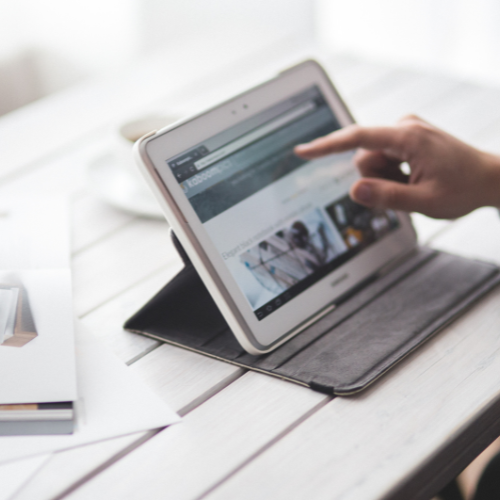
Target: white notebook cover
44,369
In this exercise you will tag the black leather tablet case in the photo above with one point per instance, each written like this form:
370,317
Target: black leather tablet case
364,336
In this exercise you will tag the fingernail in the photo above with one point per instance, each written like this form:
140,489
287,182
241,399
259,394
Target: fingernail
302,147
364,193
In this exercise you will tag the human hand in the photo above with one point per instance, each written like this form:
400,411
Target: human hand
448,177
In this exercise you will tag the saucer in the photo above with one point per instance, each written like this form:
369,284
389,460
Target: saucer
121,189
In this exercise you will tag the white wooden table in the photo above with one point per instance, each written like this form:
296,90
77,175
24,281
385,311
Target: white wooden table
246,435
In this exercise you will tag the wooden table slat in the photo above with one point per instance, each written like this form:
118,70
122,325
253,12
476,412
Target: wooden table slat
93,219
417,93
182,378
476,236
106,321
65,468
116,263
467,112
185,460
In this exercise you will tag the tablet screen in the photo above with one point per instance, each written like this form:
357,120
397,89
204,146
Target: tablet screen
280,223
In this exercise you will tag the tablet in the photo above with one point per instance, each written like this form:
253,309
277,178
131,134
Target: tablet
275,238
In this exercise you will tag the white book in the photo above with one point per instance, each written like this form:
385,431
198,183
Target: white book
112,402
37,346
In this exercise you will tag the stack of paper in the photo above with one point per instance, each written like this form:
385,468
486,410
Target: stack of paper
37,356
112,402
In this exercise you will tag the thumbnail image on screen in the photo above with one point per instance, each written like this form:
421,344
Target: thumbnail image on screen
305,251
358,225
285,258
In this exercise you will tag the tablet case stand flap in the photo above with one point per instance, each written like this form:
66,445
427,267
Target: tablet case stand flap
348,349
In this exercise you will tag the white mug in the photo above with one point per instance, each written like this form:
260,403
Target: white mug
130,132
115,178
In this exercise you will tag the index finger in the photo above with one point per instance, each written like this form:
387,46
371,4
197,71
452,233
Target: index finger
351,137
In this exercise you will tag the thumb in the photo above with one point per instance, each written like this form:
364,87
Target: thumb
380,193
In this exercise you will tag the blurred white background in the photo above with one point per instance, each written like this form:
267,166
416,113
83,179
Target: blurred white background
457,37
47,45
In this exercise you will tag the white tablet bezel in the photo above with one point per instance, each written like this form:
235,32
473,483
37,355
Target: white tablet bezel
256,336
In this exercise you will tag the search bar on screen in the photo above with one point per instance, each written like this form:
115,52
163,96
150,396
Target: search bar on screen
256,134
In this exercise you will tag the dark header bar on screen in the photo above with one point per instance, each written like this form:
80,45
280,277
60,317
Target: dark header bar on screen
183,166
238,176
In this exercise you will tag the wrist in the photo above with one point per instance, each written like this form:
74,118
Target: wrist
492,181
